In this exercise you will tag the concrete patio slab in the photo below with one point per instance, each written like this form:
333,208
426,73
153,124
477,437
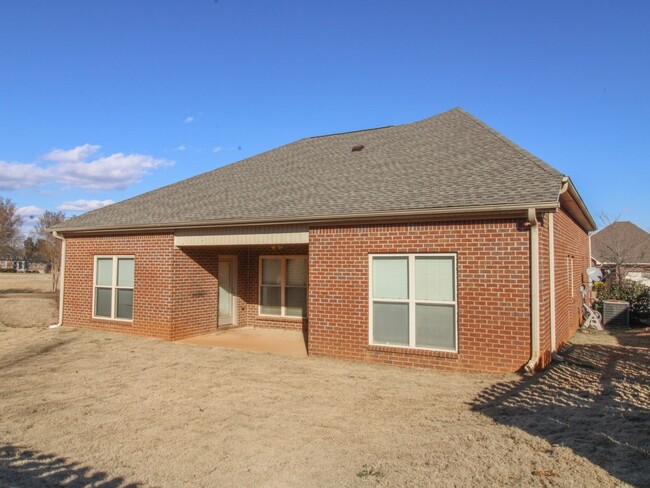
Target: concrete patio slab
275,341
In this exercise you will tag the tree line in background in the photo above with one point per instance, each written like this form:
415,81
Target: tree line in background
39,247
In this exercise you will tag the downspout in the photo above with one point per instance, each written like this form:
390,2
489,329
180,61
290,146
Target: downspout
534,292
551,246
61,280
551,276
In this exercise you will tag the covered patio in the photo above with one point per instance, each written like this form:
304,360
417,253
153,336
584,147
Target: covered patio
274,341
251,278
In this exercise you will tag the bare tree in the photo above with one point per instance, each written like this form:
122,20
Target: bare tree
10,223
621,246
50,246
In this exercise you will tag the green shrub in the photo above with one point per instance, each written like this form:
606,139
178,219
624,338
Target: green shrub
8,270
637,294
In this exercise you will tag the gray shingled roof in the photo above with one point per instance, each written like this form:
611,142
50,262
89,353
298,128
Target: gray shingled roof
621,242
448,161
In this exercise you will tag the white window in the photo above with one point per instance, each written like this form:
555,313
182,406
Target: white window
283,286
413,301
113,287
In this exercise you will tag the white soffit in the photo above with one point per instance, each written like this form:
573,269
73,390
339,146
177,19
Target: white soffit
242,236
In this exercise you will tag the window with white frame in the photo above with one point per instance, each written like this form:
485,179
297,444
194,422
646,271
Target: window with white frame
113,287
283,286
413,301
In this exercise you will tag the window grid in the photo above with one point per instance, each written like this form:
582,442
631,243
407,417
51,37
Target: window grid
113,287
411,300
283,285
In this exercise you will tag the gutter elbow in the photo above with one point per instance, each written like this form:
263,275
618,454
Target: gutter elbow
529,368
565,184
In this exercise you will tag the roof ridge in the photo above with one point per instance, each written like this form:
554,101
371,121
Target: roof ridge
349,132
533,159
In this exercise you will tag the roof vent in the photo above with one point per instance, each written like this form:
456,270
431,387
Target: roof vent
357,148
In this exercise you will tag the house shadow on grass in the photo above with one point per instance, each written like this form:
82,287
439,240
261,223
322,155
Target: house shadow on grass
596,402
25,468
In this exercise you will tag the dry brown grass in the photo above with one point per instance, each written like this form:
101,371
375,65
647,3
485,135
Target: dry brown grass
84,408
25,283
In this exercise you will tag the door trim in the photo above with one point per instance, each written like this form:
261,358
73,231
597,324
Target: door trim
233,291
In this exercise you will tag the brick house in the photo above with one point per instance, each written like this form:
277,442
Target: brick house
622,250
438,243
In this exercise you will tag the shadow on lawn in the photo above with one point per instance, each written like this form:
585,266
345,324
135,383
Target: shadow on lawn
30,353
597,403
26,468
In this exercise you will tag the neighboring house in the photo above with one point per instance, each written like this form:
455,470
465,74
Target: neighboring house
622,248
17,264
438,243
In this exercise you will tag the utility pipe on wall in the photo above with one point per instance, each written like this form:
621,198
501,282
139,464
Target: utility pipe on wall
61,280
534,292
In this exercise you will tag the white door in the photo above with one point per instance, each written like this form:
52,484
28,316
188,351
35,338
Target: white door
227,290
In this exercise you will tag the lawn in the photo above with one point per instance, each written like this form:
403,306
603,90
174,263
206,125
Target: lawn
86,408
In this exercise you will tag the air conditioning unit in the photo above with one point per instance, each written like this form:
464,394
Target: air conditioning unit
616,314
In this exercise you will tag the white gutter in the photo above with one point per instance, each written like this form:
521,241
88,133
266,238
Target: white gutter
397,215
534,292
61,280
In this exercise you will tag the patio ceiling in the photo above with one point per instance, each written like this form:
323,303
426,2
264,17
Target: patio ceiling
238,236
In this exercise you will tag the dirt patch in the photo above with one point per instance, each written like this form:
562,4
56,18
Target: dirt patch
141,412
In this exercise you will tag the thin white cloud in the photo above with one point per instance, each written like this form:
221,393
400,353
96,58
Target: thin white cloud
217,149
19,175
29,211
84,205
79,153
114,172
181,147
188,120
71,168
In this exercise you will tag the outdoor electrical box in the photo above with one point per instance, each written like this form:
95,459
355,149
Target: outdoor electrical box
616,314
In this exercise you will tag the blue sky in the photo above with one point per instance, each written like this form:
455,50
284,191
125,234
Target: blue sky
103,100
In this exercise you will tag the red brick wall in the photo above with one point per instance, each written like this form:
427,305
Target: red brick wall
176,290
153,290
194,308
493,291
174,294
570,240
